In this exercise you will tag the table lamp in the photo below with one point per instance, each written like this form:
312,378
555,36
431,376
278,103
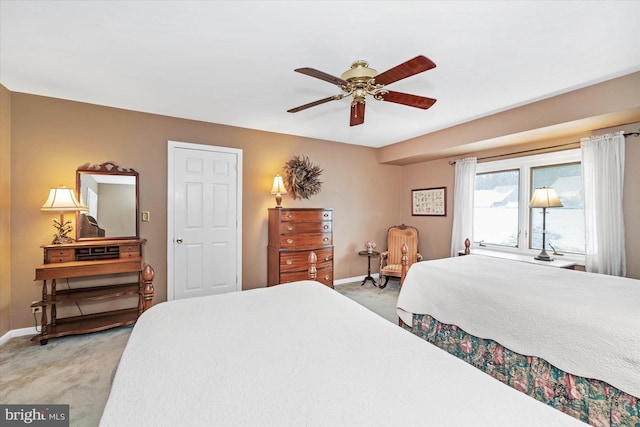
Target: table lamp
278,190
544,197
62,199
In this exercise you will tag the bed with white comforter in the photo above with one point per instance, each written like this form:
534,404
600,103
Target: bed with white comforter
585,324
299,354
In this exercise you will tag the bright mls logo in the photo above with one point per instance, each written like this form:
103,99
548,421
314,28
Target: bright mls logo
35,415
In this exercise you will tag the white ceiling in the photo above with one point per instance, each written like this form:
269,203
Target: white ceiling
232,62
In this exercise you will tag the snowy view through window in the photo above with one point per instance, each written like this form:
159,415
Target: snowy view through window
496,203
495,214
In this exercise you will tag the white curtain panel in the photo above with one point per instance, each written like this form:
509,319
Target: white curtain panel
603,180
464,187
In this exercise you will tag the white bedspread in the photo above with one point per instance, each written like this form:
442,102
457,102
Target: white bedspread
299,354
583,323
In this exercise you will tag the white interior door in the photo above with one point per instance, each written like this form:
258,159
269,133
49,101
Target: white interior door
204,220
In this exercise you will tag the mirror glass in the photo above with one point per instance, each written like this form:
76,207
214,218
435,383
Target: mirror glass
111,194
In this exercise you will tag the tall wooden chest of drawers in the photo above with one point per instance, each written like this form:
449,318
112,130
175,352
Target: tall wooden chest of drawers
293,234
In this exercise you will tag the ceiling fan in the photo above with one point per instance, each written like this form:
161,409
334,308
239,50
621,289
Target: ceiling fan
360,81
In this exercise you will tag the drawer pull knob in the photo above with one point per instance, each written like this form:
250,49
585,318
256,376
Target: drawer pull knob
326,277
289,228
289,262
326,215
289,216
326,227
327,259
326,239
289,241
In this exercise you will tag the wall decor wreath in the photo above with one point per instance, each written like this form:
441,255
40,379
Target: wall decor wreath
301,177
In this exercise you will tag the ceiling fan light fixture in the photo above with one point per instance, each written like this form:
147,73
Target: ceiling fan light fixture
359,95
359,73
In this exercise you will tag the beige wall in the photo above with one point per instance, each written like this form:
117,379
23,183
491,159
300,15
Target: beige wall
52,137
49,138
5,213
435,232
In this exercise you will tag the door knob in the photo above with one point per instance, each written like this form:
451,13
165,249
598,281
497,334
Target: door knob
179,241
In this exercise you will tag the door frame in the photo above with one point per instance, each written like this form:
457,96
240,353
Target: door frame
171,147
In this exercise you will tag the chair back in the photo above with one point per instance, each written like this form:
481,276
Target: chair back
396,236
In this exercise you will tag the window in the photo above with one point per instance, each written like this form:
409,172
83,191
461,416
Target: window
564,226
502,217
496,201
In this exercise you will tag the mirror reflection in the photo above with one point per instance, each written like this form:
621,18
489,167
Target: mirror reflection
111,194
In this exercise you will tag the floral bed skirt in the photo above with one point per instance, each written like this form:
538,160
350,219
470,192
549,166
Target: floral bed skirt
592,401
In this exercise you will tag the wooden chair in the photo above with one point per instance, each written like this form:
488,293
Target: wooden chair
391,259
88,227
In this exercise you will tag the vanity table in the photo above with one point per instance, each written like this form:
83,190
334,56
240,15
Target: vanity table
105,279
89,259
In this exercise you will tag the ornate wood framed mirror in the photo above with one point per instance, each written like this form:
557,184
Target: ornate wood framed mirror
111,194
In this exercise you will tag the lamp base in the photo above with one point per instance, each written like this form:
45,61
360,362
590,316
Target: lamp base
543,256
61,240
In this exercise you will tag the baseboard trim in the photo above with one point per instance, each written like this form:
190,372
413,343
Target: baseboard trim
17,333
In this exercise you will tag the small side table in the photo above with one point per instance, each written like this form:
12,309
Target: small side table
373,254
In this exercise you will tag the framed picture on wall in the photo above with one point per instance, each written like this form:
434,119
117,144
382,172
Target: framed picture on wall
429,201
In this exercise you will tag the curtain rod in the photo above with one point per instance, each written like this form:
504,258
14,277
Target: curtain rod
452,162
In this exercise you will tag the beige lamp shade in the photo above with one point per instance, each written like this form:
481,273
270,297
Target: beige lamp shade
278,186
545,197
62,199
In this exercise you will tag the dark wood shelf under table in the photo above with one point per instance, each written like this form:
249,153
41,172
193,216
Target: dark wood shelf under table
91,323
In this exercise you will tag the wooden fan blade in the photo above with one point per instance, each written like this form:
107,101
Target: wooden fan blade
406,69
357,114
322,76
407,99
314,103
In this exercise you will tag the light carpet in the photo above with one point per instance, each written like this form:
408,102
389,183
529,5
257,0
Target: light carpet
380,301
77,370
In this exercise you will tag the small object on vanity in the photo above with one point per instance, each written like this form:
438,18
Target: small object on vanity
278,190
544,197
88,226
62,199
